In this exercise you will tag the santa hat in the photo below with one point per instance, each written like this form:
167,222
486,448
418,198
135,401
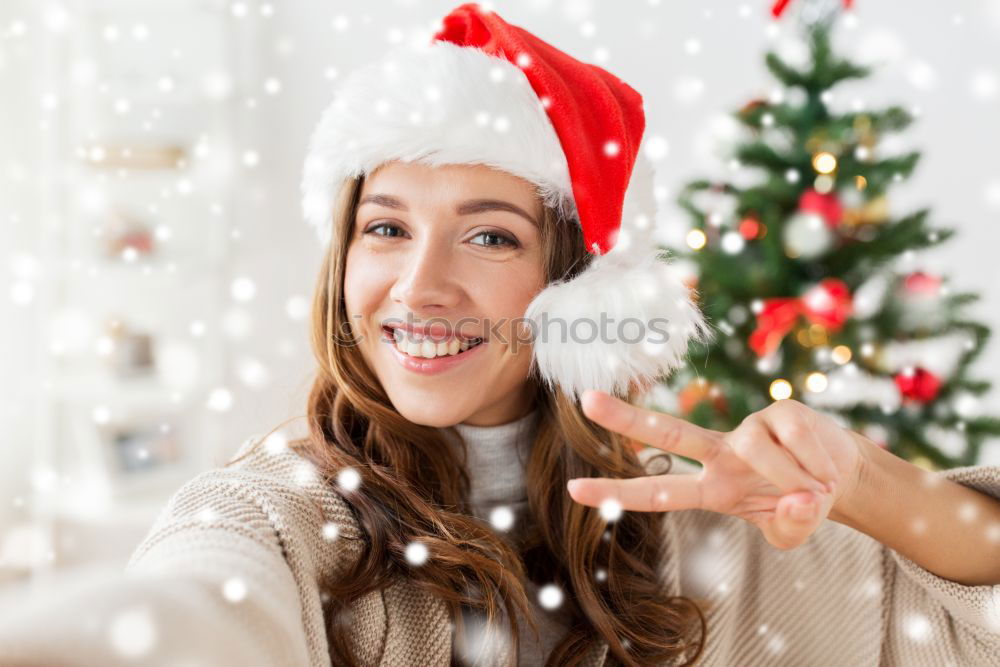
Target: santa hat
487,92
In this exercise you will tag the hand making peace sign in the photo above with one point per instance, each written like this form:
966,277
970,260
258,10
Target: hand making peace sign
782,457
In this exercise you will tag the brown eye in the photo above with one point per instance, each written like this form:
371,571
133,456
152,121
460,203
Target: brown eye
386,226
496,240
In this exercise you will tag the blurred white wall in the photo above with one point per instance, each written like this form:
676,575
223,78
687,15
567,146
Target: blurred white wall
694,62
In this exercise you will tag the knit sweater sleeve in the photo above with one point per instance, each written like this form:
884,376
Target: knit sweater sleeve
923,607
226,575
763,604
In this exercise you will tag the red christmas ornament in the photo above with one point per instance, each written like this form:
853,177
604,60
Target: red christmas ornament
752,105
918,385
750,228
826,205
922,283
778,8
827,304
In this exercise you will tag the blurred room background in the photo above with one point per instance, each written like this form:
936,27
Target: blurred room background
155,271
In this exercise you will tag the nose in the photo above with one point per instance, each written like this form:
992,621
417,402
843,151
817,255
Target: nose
427,282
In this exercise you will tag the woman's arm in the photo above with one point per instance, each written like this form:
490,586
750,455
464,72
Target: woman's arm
947,528
210,584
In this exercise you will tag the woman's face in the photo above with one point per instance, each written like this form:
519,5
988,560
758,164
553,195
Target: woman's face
445,249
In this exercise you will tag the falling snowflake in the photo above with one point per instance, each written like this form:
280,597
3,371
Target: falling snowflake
349,479
917,627
611,509
330,531
220,400
207,515
276,443
502,518
416,553
132,632
550,596
305,473
234,589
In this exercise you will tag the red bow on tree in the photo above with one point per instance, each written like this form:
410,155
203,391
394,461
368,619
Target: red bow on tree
827,304
779,7
917,384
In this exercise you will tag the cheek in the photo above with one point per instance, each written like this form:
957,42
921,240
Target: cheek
366,283
503,295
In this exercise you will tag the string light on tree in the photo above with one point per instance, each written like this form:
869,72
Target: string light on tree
840,354
816,382
696,239
780,389
824,162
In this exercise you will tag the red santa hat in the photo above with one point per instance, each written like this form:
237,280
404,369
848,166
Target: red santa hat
487,92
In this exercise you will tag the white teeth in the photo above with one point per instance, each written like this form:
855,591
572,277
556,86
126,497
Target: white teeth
419,346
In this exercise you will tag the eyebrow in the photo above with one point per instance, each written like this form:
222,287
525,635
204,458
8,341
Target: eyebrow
468,207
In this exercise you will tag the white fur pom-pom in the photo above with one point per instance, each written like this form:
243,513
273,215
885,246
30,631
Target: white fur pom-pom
622,320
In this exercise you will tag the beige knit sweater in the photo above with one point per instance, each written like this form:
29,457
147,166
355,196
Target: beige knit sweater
227,576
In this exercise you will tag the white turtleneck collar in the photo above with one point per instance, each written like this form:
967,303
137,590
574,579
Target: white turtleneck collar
497,458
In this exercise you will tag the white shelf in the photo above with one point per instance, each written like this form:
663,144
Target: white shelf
187,275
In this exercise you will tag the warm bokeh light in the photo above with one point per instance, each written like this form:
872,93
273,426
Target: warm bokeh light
696,239
781,389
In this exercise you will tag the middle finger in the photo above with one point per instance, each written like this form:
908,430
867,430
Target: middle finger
754,444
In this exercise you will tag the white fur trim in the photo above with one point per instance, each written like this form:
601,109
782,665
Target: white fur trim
644,292
634,280
436,104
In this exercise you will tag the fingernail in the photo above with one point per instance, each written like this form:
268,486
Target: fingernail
570,484
802,510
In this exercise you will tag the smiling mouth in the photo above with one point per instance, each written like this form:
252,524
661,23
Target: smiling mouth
422,347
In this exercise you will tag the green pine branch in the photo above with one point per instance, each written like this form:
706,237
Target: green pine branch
893,239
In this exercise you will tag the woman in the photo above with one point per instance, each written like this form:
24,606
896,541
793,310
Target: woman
464,497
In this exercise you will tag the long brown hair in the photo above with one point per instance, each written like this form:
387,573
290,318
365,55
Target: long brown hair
414,488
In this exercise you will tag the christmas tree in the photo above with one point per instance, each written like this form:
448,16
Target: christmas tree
798,274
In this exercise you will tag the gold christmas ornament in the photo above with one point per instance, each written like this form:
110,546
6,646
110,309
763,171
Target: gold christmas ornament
812,335
699,391
863,131
871,212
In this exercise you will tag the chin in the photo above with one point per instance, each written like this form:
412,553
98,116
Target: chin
437,412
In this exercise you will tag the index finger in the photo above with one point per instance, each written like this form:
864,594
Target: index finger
653,428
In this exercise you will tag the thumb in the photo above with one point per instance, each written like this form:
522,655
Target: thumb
796,517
